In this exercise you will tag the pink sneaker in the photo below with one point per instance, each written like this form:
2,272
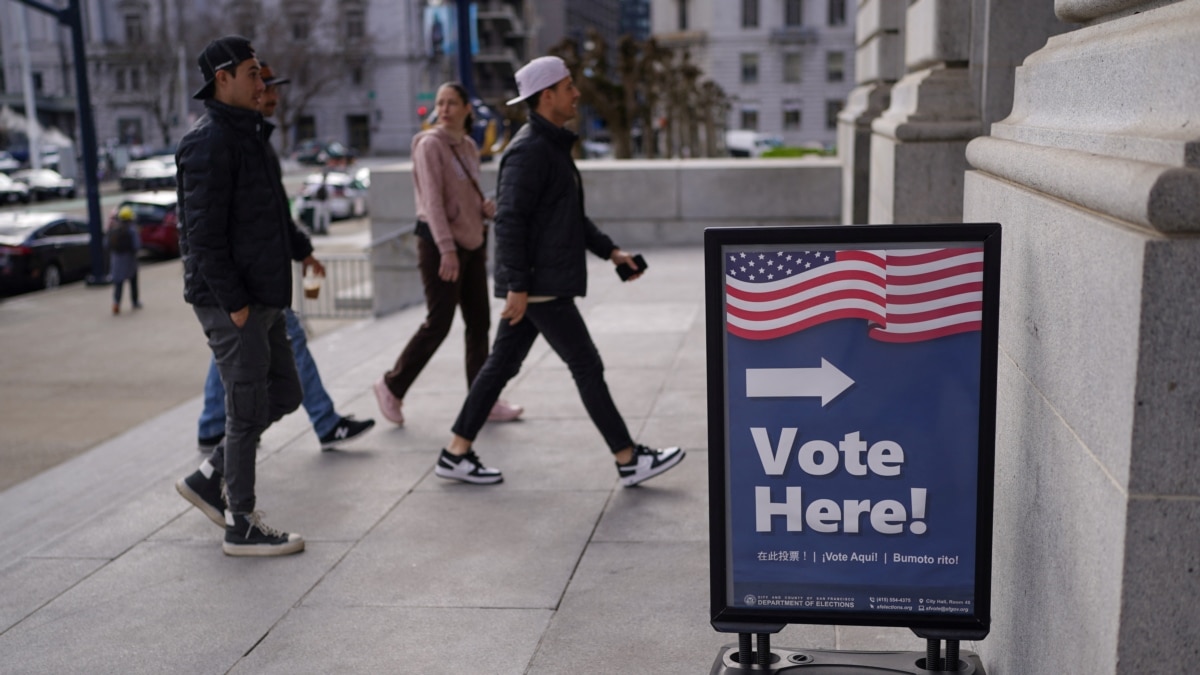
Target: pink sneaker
389,405
504,411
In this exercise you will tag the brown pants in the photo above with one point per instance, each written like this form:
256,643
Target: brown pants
469,292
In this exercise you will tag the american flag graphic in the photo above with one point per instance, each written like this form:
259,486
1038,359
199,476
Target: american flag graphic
905,295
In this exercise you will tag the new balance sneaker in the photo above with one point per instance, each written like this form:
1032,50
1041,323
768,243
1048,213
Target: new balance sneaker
648,463
347,428
209,443
504,411
204,489
247,535
389,405
467,469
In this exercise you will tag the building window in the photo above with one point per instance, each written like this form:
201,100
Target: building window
832,108
749,13
119,76
750,120
837,12
793,66
300,27
356,76
835,66
356,24
749,68
135,79
793,12
683,14
133,28
792,117
37,82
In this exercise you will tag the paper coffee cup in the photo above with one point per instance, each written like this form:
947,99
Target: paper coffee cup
312,287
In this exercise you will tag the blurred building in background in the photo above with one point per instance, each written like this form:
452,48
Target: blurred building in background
787,65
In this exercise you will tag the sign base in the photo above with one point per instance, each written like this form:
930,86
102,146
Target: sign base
839,662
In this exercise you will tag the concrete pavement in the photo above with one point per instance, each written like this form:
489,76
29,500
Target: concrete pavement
104,568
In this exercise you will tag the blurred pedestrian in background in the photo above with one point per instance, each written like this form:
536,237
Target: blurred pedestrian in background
123,246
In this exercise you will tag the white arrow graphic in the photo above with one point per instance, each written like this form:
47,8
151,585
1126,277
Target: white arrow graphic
826,382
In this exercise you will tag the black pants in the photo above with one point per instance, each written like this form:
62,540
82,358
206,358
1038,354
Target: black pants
561,324
133,290
261,386
441,298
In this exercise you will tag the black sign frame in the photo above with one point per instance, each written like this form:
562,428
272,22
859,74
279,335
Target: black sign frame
729,618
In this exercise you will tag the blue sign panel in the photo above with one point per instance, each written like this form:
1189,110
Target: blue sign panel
854,372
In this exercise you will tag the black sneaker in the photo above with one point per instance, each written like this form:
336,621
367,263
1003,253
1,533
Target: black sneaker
209,443
467,468
648,463
246,535
204,489
346,429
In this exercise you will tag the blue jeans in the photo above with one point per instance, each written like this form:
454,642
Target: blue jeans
317,403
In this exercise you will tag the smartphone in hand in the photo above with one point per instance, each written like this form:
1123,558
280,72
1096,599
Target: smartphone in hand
625,271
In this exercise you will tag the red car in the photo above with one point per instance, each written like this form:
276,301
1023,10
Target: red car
154,213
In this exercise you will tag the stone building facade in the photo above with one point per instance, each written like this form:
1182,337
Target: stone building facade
142,53
1074,124
788,65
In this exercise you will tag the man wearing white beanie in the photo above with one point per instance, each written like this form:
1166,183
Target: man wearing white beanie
542,238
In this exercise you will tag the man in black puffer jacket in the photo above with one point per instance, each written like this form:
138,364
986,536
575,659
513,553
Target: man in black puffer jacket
542,239
238,242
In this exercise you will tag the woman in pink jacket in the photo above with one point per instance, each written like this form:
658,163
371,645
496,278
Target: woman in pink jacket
452,251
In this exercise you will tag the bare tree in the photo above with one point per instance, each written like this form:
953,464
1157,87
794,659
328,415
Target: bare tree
633,90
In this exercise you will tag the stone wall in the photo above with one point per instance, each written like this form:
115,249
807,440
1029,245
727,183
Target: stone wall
1095,177
639,203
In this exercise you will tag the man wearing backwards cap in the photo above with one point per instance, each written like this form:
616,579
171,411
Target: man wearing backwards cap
542,237
238,241
332,429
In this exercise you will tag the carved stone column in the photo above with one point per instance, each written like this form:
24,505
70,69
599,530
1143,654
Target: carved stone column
918,144
1095,177
878,63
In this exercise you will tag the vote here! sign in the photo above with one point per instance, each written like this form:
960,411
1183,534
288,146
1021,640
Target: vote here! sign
856,422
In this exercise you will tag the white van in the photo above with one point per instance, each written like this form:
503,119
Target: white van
747,143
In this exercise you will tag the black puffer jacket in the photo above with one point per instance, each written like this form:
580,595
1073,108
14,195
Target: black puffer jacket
236,236
542,232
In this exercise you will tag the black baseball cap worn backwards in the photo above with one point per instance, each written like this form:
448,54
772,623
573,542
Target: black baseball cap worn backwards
221,54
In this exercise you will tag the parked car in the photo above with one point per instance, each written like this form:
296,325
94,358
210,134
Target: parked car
13,191
149,174
157,221
42,250
8,163
347,195
46,183
319,153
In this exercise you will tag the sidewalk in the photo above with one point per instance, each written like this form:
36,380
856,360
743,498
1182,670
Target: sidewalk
104,568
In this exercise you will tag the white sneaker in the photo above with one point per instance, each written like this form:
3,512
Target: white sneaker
648,463
466,468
